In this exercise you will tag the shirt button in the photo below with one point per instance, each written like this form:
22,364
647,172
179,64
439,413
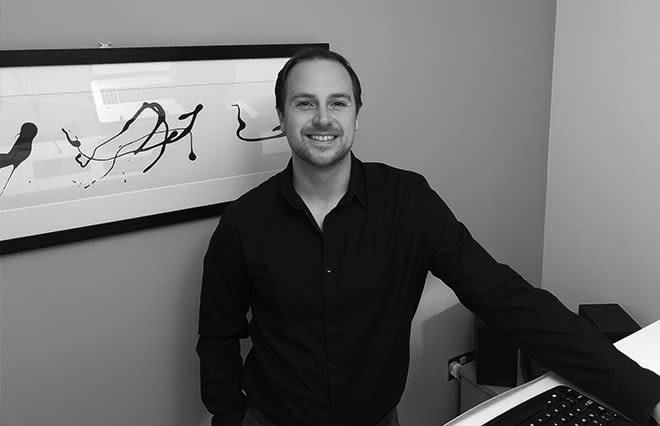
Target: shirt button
333,367
328,270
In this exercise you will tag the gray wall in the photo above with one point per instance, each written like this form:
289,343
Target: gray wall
601,227
103,331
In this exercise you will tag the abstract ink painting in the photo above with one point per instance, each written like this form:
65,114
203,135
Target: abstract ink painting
98,138
242,126
115,149
19,152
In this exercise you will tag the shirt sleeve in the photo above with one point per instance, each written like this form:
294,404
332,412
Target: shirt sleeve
222,322
533,318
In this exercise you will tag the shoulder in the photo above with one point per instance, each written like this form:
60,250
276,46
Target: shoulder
408,192
383,177
254,202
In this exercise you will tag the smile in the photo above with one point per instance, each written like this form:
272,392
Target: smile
322,138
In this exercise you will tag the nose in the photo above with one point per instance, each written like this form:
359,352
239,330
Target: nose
321,117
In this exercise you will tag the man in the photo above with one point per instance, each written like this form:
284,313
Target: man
331,255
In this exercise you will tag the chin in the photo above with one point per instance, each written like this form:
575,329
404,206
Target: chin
322,161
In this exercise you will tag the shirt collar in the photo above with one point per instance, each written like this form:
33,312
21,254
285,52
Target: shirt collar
356,185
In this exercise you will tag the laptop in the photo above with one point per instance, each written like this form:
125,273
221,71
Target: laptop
512,407
119,90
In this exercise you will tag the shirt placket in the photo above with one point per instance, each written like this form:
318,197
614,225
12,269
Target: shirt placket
331,268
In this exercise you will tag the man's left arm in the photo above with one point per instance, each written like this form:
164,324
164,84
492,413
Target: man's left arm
534,318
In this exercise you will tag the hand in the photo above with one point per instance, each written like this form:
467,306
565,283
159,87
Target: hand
656,413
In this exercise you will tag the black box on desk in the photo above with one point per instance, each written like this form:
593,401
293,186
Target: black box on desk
495,355
610,318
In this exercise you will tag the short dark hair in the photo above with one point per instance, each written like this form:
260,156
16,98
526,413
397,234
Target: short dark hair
310,54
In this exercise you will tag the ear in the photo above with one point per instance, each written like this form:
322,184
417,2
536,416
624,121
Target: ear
280,117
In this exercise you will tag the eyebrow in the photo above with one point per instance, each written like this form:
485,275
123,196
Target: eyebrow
309,95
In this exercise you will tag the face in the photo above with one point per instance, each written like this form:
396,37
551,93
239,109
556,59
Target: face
319,117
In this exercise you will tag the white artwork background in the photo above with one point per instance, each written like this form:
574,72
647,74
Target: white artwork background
50,191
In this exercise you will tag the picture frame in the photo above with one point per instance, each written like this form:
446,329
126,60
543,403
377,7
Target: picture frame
96,142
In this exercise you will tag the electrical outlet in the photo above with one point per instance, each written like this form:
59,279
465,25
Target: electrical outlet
461,359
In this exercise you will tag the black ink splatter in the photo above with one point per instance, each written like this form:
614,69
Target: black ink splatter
20,151
169,136
242,125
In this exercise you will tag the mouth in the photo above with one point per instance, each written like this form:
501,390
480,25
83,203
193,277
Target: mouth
322,137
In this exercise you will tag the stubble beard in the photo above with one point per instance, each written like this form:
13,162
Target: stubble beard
308,155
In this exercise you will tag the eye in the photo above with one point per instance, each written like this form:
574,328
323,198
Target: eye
303,104
338,105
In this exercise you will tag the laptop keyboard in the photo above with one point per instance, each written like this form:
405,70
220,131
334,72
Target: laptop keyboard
560,406
131,94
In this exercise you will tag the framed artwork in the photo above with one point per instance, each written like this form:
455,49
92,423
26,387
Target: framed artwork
96,142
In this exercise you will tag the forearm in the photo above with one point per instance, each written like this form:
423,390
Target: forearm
220,379
568,345
540,324
222,322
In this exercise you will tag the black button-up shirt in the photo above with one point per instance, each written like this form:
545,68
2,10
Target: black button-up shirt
332,309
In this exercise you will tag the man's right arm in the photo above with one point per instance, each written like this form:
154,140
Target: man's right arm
222,322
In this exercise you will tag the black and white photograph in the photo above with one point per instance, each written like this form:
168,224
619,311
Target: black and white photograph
349,213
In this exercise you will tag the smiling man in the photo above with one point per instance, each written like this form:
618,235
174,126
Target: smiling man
319,137
331,256
318,115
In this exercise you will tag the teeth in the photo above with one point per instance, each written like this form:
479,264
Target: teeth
322,138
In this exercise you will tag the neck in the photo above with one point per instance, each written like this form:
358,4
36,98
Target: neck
321,185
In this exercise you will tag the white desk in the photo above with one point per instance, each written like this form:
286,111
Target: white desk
642,346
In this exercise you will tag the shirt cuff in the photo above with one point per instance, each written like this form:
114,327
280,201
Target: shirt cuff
643,406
